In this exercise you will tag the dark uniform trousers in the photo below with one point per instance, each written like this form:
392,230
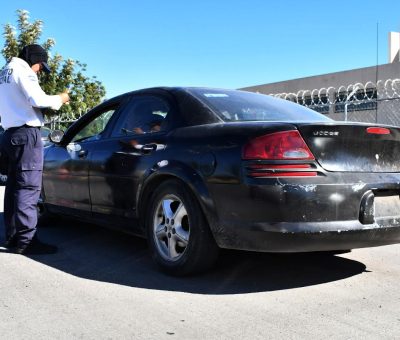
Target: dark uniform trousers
23,149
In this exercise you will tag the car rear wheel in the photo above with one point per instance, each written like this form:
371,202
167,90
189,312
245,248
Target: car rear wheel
178,234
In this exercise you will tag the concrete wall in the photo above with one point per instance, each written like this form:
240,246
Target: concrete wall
344,78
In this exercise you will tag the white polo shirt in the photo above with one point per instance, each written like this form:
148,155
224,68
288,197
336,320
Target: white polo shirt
21,96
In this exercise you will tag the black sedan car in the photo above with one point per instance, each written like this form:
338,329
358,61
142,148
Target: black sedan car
198,169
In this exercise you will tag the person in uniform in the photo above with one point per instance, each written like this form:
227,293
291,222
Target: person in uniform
21,101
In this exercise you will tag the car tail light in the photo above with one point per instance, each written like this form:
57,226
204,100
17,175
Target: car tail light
378,131
287,145
284,146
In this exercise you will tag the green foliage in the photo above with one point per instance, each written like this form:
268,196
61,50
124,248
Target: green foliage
85,92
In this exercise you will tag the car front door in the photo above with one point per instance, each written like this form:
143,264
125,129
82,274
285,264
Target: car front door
66,167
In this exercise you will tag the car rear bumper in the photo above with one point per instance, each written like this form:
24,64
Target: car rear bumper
337,212
288,237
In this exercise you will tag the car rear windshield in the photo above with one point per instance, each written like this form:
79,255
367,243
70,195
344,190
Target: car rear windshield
232,105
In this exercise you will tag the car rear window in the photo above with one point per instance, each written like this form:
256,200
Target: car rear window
232,105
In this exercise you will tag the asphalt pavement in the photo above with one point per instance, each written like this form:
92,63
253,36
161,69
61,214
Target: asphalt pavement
103,285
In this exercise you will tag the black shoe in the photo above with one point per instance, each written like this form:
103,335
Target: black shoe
11,242
36,248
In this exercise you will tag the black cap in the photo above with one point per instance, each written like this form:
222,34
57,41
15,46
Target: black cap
35,54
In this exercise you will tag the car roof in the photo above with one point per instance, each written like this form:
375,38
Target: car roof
167,89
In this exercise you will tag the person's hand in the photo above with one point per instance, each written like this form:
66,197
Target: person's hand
64,97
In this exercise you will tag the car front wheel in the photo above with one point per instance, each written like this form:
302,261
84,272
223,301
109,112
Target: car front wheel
178,234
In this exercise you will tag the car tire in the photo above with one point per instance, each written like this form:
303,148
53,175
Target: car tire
178,234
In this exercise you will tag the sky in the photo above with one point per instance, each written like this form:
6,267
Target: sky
129,44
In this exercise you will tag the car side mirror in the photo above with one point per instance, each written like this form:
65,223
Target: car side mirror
56,136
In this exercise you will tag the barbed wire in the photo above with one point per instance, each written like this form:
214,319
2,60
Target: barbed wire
355,93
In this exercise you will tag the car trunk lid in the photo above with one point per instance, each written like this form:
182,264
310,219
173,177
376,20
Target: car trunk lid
354,147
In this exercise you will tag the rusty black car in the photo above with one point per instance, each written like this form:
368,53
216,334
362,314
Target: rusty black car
198,169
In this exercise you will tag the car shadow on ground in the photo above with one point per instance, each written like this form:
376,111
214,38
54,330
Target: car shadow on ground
95,253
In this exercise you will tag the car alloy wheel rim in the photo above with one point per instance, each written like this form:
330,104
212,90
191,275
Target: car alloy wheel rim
171,228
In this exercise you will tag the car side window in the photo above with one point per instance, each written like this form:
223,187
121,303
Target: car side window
94,129
142,115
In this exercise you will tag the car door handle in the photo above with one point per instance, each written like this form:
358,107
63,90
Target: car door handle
82,154
147,148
